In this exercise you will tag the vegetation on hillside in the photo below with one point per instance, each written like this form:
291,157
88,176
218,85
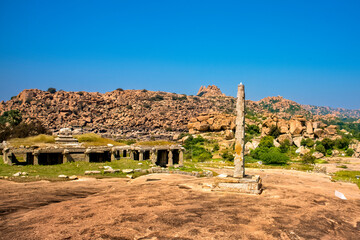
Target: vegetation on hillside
13,126
92,139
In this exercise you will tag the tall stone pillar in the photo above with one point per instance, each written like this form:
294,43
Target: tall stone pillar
181,158
131,154
239,162
170,158
36,158
141,155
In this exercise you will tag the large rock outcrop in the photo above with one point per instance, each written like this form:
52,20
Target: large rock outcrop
209,91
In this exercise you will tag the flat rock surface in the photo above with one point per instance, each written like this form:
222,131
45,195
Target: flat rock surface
294,205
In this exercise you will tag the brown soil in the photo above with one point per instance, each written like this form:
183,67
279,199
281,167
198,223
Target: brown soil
294,205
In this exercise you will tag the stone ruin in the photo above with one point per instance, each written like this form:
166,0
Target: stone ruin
163,156
65,137
240,182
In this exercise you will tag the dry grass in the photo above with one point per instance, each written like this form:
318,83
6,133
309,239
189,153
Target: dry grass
92,139
155,143
35,140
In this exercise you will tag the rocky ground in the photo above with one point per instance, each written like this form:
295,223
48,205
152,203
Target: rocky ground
294,205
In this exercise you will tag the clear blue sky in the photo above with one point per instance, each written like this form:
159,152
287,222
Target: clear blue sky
307,51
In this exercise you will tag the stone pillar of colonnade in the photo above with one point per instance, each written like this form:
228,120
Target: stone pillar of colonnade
170,158
36,157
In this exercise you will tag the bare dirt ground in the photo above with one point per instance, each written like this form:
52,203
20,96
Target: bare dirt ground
333,165
294,205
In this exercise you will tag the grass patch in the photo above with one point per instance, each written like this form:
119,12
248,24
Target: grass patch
154,143
321,161
288,166
127,141
35,140
347,176
92,139
342,166
51,172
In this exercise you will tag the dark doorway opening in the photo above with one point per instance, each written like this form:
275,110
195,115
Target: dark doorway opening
100,157
162,158
50,158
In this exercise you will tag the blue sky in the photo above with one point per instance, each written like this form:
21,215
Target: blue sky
306,51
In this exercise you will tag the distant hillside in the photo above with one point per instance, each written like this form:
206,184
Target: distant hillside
334,112
123,111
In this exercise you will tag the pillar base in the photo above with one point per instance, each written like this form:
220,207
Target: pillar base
248,184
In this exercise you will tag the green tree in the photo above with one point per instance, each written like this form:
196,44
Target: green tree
51,90
308,158
328,143
13,117
320,148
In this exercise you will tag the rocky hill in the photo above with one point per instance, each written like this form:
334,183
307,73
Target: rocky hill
210,91
332,112
115,112
134,111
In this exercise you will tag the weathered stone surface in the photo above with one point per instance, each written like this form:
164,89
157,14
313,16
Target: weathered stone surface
92,172
309,128
318,155
284,137
319,132
331,130
229,134
296,127
297,141
302,150
276,144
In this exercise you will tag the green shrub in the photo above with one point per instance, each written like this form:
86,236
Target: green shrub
266,142
229,156
129,107
157,98
144,90
342,143
307,142
252,129
329,152
216,147
285,146
308,158
274,131
120,89
273,156
320,148
328,143
51,90
350,152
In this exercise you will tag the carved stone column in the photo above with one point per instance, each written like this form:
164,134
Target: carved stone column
239,162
